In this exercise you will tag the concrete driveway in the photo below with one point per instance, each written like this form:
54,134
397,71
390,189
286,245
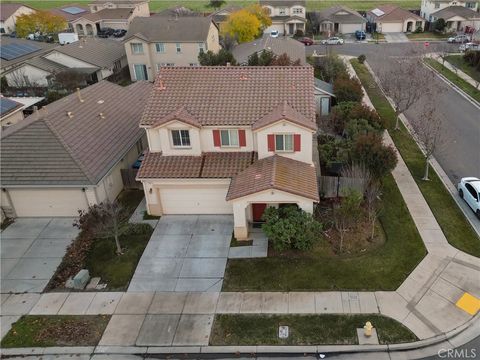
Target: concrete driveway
31,250
396,37
185,253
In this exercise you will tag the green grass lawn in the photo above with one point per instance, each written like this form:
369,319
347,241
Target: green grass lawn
456,228
457,60
303,329
56,330
427,35
457,80
117,270
200,5
383,268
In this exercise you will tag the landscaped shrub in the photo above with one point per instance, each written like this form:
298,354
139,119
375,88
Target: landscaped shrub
333,150
472,58
361,58
291,228
346,88
329,67
377,157
345,112
358,127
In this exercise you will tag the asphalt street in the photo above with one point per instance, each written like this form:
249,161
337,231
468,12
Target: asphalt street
460,156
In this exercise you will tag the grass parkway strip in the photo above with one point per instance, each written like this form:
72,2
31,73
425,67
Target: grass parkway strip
456,228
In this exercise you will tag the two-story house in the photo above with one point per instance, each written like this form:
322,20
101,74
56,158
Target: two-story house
158,41
429,7
9,13
287,16
230,140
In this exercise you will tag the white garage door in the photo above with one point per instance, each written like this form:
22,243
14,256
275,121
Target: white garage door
350,28
199,200
43,202
392,27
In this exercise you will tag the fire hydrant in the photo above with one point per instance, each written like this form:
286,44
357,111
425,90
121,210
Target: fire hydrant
368,329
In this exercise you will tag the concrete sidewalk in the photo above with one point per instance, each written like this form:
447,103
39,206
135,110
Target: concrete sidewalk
456,70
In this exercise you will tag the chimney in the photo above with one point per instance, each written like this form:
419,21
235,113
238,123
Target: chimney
79,95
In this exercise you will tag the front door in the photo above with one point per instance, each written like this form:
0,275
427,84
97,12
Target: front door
257,211
291,28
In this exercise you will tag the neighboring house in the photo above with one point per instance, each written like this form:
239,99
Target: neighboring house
219,17
35,72
287,16
339,19
280,45
392,19
9,13
158,41
323,97
230,140
15,51
70,13
428,7
69,154
457,18
98,58
139,7
12,110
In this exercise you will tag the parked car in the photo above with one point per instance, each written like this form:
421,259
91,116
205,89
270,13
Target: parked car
274,33
469,46
105,32
459,39
333,41
469,190
360,35
119,33
306,41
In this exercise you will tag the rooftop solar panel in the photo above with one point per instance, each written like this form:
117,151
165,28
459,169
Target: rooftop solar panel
73,10
13,51
6,105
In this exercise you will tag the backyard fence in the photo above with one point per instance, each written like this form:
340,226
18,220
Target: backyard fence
129,179
336,186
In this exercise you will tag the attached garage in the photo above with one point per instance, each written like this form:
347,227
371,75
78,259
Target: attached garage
351,28
391,27
45,202
203,199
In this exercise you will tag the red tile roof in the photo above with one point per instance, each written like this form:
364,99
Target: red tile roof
208,165
276,172
180,114
284,112
230,95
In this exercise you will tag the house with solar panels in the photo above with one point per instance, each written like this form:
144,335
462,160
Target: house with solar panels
9,13
12,110
70,12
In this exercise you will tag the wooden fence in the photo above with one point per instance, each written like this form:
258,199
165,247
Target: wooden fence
128,178
336,186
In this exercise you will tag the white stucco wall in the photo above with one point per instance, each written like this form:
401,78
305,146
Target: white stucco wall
35,76
67,60
160,139
9,24
285,127
12,118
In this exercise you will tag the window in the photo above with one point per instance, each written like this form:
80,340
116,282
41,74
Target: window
472,191
181,138
179,48
470,5
298,10
229,138
437,5
140,72
201,47
193,64
137,48
284,142
160,47
282,11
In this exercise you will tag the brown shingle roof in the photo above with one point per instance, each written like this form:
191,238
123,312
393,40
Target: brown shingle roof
284,112
49,147
393,13
109,14
66,15
8,9
276,172
208,165
230,95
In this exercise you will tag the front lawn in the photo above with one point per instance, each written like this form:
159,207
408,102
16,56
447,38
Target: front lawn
56,330
304,329
456,228
382,268
457,61
454,78
427,35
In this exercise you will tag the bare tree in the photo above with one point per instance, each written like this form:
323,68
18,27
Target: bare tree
347,213
19,79
372,195
406,82
428,127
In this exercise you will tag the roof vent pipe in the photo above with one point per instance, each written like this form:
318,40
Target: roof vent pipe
79,95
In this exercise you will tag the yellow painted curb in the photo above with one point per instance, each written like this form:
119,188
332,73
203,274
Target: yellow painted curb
469,303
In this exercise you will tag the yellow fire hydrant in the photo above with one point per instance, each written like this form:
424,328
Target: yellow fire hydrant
368,329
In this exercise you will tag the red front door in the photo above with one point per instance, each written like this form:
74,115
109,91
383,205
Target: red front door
257,210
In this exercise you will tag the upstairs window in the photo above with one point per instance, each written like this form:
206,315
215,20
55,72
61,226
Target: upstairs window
179,48
201,47
229,138
284,142
160,47
181,138
282,11
470,5
137,48
298,10
437,5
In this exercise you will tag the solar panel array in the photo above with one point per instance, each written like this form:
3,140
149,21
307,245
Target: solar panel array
6,105
13,51
73,10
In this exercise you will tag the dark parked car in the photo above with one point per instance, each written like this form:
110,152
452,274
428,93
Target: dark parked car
105,32
119,33
360,35
306,40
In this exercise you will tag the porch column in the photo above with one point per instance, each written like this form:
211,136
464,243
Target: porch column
240,229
